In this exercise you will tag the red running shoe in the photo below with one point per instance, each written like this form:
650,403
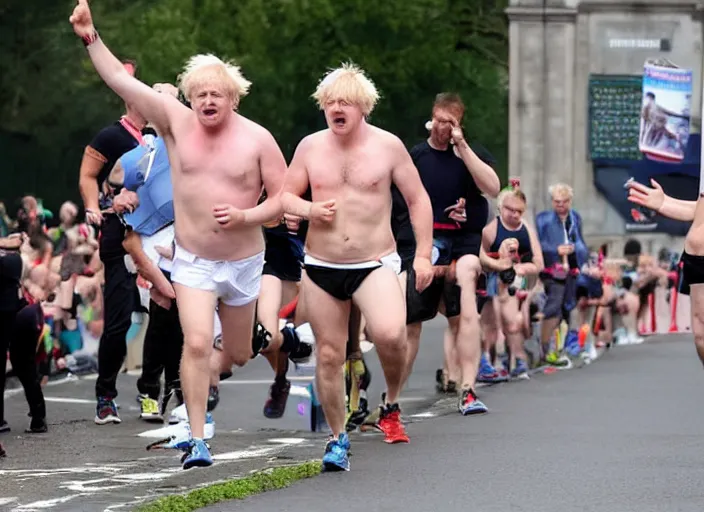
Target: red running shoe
390,424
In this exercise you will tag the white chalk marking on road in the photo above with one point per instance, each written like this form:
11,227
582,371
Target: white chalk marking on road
7,501
423,415
70,378
68,400
88,486
287,440
44,504
40,473
403,399
244,454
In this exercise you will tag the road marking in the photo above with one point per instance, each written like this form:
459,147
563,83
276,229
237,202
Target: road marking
69,378
287,440
44,504
244,454
423,415
7,501
66,400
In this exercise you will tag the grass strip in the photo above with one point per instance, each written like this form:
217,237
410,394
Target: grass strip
238,489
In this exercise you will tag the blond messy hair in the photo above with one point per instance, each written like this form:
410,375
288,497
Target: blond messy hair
208,69
349,83
561,190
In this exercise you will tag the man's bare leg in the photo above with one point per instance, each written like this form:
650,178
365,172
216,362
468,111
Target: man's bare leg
268,305
329,320
195,309
468,339
512,325
381,302
696,296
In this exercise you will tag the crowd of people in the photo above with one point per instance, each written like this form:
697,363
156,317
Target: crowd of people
367,238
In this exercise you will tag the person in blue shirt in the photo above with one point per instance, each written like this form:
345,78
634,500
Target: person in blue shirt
564,253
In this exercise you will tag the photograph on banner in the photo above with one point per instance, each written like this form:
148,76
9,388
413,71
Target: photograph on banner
665,113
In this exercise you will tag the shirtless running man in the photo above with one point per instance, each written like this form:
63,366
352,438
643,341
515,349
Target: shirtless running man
350,250
219,162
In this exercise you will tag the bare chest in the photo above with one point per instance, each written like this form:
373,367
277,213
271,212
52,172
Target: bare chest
358,172
226,161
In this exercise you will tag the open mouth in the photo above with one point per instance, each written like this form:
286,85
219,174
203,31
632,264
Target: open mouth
339,121
209,112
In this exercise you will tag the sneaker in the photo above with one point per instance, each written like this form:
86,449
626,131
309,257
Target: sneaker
450,388
558,360
198,455
487,373
106,412
278,395
390,424
37,426
572,346
150,409
336,457
470,404
4,427
213,398
520,371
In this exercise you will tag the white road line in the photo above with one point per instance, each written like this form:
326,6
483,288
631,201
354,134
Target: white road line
66,400
69,378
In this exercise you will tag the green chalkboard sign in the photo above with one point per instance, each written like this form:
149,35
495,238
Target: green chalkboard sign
614,116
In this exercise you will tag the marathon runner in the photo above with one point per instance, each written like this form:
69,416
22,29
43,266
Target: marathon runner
455,175
220,161
350,251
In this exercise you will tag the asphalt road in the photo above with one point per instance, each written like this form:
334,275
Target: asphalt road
78,465
622,434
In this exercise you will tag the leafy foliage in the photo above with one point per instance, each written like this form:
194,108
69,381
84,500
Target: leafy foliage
411,50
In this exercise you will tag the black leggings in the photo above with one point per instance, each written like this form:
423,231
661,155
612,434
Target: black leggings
163,344
19,333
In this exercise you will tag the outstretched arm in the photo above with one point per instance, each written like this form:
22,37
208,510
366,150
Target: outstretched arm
147,101
656,199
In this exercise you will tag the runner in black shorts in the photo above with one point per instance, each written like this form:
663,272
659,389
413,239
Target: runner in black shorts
455,175
283,263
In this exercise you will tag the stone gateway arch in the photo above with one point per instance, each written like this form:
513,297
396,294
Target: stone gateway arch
575,71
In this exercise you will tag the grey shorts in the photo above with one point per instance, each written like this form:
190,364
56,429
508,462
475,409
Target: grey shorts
561,296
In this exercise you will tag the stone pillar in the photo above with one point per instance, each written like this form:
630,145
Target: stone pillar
541,95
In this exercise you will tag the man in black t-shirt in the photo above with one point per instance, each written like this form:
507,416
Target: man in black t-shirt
455,176
120,293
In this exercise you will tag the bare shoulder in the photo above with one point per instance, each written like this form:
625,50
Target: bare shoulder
387,139
312,141
489,230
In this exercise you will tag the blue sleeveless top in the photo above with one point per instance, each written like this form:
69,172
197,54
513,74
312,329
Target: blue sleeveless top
148,172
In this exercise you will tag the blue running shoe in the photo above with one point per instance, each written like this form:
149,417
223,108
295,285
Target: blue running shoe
336,456
572,347
470,404
487,372
198,455
520,371
106,412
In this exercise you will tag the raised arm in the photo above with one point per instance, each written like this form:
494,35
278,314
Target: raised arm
273,168
147,101
484,176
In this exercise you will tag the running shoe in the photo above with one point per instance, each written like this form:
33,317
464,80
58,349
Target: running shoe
488,374
106,412
150,409
275,406
390,424
520,371
450,388
198,455
213,398
470,404
557,360
37,426
336,457
572,346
